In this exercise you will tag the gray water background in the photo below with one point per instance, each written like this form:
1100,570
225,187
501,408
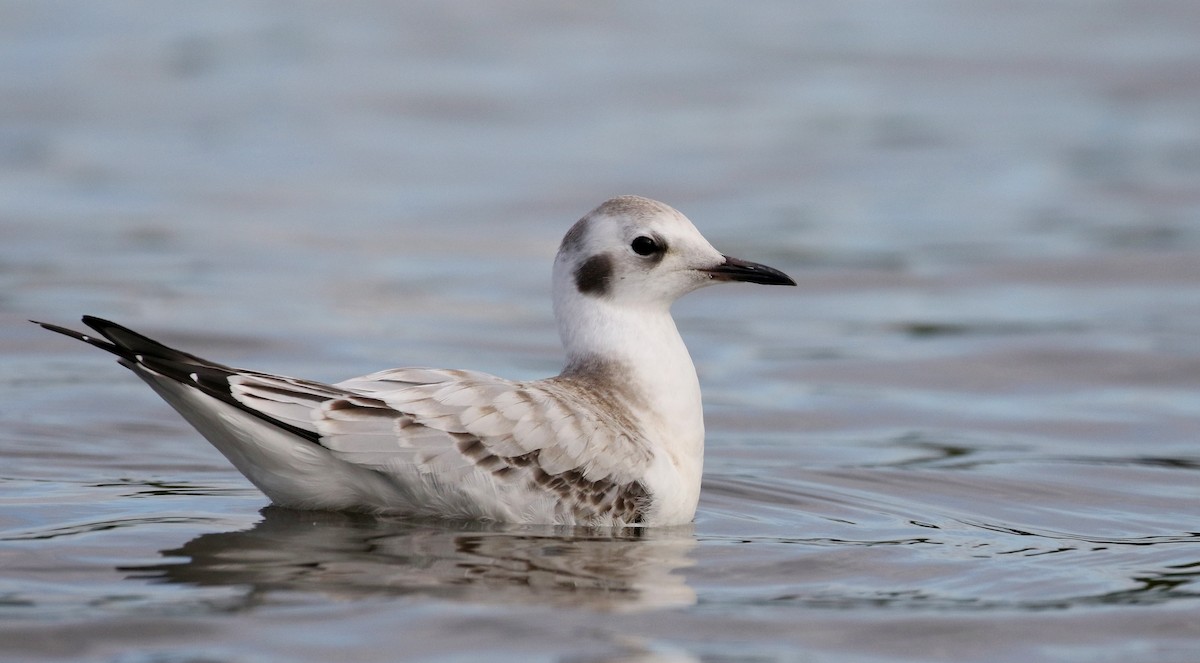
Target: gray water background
970,434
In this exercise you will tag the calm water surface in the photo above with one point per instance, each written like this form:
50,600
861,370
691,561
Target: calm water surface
972,433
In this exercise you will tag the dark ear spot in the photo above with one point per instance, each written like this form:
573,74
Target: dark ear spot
593,276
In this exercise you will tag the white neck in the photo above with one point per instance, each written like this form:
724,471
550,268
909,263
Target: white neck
644,342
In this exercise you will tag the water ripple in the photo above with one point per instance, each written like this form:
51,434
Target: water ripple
63,531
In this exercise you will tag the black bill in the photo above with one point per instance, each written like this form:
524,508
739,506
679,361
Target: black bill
750,272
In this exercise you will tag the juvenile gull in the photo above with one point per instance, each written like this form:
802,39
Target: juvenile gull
616,439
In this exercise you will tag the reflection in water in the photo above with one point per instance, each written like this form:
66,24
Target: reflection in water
352,556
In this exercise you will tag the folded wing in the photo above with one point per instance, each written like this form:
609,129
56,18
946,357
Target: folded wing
466,428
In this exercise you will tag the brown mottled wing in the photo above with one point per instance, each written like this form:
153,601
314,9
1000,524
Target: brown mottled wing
555,436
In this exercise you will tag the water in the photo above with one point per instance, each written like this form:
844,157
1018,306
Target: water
970,434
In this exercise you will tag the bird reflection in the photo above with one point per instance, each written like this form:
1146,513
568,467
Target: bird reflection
351,556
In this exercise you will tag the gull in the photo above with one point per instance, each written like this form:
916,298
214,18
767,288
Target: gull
616,439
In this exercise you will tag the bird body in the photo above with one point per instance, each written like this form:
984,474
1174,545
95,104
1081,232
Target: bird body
616,439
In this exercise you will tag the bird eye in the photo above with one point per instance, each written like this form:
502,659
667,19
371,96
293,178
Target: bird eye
644,246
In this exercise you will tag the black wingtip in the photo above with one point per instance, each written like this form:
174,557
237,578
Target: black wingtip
146,355
86,338
66,331
107,328
139,344
124,342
